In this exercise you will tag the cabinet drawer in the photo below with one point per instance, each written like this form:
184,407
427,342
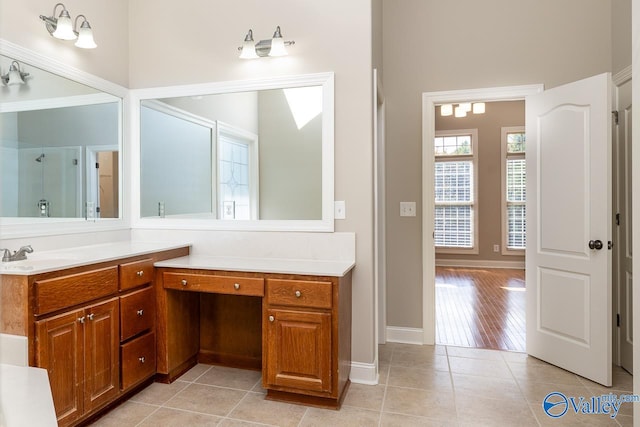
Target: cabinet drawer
138,359
299,293
67,291
252,286
136,273
137,312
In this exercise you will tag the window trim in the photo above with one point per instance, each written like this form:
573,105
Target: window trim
475,249
504,155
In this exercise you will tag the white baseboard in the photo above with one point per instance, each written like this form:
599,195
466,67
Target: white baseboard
519,265
364,373
405,335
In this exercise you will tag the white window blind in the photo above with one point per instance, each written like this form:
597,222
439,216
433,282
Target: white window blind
454,192
515,189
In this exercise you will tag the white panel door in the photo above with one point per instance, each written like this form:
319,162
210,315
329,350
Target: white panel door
569,227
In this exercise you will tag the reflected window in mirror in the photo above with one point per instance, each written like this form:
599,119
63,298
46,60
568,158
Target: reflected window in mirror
253,155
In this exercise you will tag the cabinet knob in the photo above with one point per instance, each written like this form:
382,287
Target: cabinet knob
140,312
236,286
271,318
184,282
298,294
81,319
140,273
141,359
91,316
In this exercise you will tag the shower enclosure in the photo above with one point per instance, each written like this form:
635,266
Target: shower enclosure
49,182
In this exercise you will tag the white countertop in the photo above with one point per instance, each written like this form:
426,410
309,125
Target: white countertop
45,261
261,265
25,397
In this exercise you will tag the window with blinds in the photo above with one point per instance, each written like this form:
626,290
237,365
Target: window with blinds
454,188
515,188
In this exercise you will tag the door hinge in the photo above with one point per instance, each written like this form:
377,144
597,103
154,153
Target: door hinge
618,320
615,117
617,219
97,165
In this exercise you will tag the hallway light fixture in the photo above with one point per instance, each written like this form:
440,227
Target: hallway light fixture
275,46
15,76
462,109
63,28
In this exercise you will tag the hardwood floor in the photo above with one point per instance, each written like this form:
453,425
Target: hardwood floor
482,308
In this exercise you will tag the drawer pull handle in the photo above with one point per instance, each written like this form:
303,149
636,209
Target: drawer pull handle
141,359
81,319
271,318
91,316
140,273
140,312
298,294
184,282
236,286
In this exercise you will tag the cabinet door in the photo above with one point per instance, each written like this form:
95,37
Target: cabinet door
59,349
298,350
101,354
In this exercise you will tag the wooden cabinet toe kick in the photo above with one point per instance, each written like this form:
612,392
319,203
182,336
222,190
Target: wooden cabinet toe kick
305,399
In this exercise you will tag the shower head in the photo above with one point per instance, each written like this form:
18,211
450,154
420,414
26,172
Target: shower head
39,158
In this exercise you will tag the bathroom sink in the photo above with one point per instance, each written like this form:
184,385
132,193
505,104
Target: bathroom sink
37,264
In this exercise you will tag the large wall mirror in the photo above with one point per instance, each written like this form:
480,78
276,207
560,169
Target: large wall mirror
60,145
238,155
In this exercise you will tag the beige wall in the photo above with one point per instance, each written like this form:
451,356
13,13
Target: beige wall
433,45
20,24
621,31
196,41
489,168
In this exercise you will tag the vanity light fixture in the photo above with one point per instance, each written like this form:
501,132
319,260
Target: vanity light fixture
85,34
63,28
15,76
275,46
462,109
60,27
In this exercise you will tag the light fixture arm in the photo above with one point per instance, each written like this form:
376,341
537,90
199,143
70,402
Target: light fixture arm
51,21
84,24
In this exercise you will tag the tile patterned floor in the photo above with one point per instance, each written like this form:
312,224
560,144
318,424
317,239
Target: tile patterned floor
419,386
480,308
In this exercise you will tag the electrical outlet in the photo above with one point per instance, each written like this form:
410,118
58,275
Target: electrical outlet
496,248
340,209
407,208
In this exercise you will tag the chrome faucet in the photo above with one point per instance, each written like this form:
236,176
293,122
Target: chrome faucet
18,255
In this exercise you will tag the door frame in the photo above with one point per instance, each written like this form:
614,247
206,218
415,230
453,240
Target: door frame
93,178
618,79
379,234
429,102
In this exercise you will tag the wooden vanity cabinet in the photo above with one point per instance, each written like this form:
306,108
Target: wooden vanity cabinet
92,327
137,323
307,339
79,349
295,328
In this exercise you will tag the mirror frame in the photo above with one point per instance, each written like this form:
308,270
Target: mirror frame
325,224
30,227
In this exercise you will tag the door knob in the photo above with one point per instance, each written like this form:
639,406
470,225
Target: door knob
595,244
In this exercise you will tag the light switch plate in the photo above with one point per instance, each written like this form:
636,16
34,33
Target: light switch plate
407,208
340,209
